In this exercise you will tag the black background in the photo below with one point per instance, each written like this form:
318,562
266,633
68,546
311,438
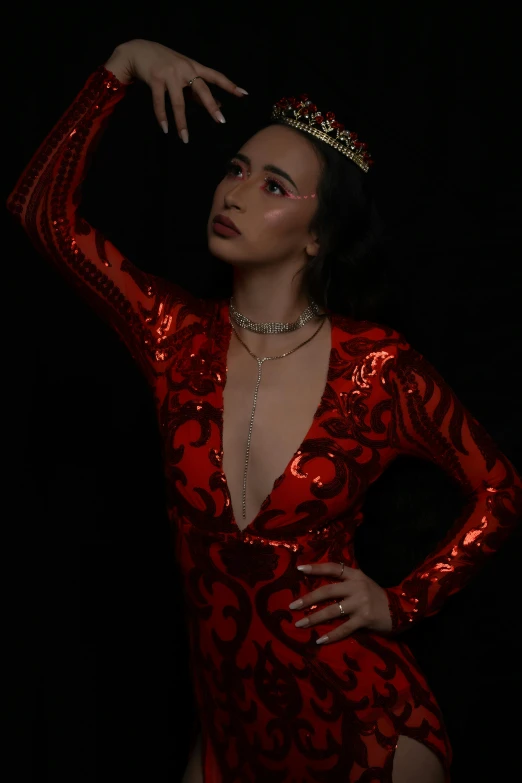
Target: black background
96,638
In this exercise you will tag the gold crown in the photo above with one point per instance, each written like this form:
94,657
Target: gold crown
303,114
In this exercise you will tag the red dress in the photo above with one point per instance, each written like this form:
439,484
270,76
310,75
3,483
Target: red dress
274,705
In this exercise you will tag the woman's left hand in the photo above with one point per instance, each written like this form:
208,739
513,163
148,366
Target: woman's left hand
365,603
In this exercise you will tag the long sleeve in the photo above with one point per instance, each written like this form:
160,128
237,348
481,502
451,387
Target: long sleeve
428,421
151,315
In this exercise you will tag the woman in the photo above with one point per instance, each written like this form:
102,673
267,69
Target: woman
298,666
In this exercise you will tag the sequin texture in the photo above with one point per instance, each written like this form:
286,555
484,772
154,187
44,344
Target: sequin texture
274,705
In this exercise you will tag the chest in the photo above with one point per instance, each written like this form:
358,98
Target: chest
271,423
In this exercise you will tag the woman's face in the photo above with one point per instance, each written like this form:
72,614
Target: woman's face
268,192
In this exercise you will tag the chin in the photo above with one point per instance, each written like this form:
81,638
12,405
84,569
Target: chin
220,248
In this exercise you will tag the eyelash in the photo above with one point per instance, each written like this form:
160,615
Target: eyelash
268,180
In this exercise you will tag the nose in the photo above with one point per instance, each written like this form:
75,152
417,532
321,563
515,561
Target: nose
235,196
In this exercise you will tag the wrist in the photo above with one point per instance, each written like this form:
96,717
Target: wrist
403,608
120,64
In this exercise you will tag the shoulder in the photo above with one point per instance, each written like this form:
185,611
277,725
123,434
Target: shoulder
368,349
183,303
358,339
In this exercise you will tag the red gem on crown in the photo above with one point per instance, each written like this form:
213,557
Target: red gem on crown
303,114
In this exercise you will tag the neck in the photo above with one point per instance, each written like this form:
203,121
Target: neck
265,296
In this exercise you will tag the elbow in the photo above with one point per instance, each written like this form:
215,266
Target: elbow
15,204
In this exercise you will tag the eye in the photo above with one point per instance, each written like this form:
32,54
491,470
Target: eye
233,169
274,187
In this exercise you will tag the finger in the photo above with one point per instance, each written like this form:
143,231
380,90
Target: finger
158,103
324,593
215,77
342,631
178,107
195,97
329,569
202,90
331,612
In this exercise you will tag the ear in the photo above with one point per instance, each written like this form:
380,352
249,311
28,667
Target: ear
312,247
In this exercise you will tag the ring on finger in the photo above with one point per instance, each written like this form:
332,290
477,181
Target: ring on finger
342,569
341,608
193,80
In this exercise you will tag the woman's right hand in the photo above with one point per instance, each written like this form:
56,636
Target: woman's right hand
164,69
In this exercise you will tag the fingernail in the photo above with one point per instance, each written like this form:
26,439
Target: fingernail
322,639
219,116
296,604
184,135
164,124
305,568
302,623
241,91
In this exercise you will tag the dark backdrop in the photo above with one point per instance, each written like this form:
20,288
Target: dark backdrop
96,640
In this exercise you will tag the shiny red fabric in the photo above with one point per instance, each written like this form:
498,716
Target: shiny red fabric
274,705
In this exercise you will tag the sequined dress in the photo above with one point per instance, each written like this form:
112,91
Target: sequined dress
273,705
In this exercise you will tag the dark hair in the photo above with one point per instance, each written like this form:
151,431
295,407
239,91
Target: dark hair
349,274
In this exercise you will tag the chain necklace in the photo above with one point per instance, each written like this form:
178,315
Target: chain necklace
274,327
268,328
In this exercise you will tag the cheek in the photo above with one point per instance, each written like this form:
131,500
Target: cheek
274,216
217,193
284,212
274,223
284,219
217,202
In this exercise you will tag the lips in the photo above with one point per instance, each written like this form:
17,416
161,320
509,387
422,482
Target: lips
224,221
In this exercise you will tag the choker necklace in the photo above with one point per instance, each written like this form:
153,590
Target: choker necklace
268,328
274,328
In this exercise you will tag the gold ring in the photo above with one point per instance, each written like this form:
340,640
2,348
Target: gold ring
193,80
341,608
342,569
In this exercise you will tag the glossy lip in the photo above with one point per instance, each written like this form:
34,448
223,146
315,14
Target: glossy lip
226,222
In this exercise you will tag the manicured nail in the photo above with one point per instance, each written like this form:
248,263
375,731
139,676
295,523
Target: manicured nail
305,568
296,604
322,639
219,116
302,623
241,91
164,124
184,135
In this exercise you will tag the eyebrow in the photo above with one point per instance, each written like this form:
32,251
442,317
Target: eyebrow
268,167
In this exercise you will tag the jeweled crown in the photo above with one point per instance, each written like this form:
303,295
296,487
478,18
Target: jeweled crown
301,113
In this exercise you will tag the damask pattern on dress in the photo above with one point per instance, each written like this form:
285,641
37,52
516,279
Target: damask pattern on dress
431,423
274,705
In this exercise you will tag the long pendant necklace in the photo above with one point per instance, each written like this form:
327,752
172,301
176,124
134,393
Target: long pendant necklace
275,327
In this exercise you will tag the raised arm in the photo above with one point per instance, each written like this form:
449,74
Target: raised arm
150,314
428,421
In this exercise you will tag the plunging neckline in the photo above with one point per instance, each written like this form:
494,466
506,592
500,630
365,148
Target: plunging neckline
228,326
